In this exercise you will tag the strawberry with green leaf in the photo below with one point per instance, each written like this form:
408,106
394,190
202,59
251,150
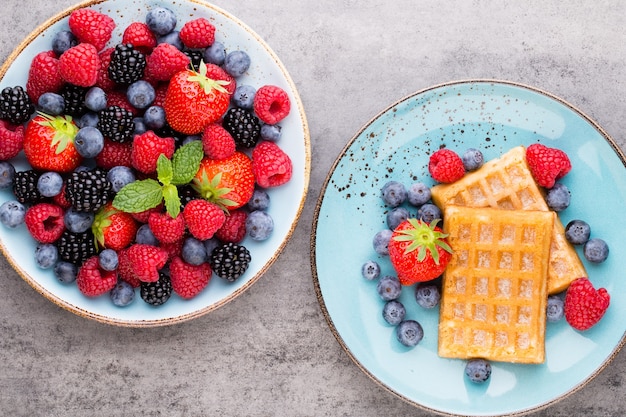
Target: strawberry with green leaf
49,143
113,229
418,251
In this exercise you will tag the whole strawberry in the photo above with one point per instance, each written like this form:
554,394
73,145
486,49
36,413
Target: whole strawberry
547,165
584,305
113,229
49,144
92,280
446,166
189,280
90,26
203,218
418,251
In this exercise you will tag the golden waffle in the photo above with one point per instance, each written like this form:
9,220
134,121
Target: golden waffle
507,183
494,292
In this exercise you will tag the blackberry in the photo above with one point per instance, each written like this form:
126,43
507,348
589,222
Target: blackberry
15,105
116,123
25,187
127,64
195,56
76,248
230,260
186,193
244,127
156,293
87,191
74,97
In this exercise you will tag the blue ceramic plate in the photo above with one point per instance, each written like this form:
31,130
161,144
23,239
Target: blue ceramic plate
494,117
286,201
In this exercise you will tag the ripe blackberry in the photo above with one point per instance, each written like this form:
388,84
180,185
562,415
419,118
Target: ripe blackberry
230,260
74,97
195,56
25,187
15,105
76,248
244,127
116,123
127,64
87,191
156,293
186,193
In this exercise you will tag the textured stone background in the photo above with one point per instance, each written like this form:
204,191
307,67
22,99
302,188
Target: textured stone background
270,352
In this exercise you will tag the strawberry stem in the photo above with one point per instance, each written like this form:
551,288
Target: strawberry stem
424,238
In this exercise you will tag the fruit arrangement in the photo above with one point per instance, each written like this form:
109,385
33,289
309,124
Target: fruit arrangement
148,162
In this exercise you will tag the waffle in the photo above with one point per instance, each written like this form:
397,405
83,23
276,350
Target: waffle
494,290
507,183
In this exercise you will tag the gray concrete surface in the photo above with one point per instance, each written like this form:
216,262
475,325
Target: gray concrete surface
270,352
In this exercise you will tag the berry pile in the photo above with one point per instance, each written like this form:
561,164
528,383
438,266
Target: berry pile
149,164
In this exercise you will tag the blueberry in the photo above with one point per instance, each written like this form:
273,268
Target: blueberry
554,309
140,94
429,212
108,260
78,221
139,126
145,236
381,241
89,141
173,38
370,270
596,250
558,197
272,133
88,119
396,216
154,118
46,255
236,63
260,200
389,288
418,194
394,193
120,176
122,294
62,41
65,272
394,312
12,213
244,96
472,159
409,333
50,184
577,232
478,370
259,225
95,99
211,244
191,138
427,295
161,20
194,251
51,103
215,54
7,173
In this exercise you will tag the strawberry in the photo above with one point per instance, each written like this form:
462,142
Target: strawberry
115,154
113,228
92,280
418,251
49,143
90,26
165,228
271,166
189,280
80,65
140,36
228,182
197,33
203,218
45,222
194,100
271,104
146,261
234,227
584,306
217,142
43,75
446,166
547,164
165,61
147,148
103,80
11,140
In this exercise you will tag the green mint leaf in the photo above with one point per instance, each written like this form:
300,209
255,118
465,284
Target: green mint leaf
165,171
139,196
172,201
186,162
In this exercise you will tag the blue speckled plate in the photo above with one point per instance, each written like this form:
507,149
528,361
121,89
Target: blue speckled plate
494,117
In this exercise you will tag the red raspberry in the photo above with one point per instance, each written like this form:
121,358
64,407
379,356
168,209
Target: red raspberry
104,81
165,228
90,26
79,65
189,280
217,142
92,280
203,218
43,75
271,165
126,270
547,164
234,227
118,98
61,199
197,33
173,249
584,305
446,166
216,72
143,216
45,222
140,36
11,140
271,104
147,148
115,154
160,92
146,261
165,61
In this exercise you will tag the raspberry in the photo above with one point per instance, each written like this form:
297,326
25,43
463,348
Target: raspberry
90,26
271,104
43,75
115,154
547,164
126,270
160,92
118,98
103,81
146,260
217,142
44,222
203,218
92,280
197,33
173,249
165,228
79,65
189,280
584,305
11,140
234,227
140,36
446,166
165,61
271,165
147,148
143,216
216,72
